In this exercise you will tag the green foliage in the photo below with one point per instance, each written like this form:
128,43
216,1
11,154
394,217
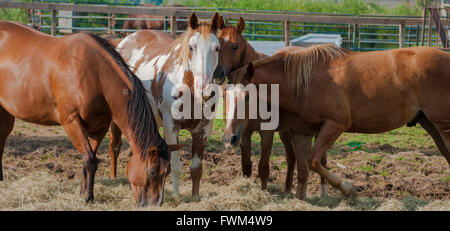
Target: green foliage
18,15
424,3
354,7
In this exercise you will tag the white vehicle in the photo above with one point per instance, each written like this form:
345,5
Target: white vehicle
445,4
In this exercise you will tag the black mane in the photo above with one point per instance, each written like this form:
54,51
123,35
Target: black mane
139,110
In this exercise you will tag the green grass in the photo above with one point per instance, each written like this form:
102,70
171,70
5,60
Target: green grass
366,168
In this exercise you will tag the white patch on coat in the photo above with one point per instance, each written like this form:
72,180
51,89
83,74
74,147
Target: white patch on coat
196,162
136,55
130,38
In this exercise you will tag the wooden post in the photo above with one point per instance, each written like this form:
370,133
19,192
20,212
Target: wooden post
33,22
53,23
287,33
423,25
430,28
173,25
355,40
401,36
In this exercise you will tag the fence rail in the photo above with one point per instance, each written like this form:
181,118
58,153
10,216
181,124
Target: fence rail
354,29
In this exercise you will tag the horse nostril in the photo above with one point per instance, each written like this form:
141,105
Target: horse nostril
233,140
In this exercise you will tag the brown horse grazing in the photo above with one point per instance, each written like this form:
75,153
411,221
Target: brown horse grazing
326,90
81,83
155,22
235,53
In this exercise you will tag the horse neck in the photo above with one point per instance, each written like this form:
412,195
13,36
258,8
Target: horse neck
272,73
249,54
117,92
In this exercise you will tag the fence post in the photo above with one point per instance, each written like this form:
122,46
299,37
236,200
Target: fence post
53,23
423,25
33,21
430,28
355,40
401,35
287,33
173,25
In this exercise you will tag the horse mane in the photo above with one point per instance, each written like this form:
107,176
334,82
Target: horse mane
145,133
181,55
299,62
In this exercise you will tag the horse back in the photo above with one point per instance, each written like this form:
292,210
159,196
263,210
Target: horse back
41,74
143,45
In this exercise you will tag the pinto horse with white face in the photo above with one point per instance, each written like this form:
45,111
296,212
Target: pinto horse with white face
81,83
326,90
164,66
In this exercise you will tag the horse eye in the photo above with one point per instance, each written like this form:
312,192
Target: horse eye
217,49
152,172
235,46
190,48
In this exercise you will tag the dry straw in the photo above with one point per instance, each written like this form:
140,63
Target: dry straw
40,190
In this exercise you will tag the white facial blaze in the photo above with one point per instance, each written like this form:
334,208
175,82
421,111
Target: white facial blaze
204,60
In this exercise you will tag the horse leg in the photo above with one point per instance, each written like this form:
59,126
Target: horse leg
434,132
246,152
6,127
171,137
323,182
199,142
80,139
328,134
302,146
115,142
266,149
290,159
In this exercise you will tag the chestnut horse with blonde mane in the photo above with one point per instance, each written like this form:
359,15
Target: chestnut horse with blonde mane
81,83
325,91
165,65
236,52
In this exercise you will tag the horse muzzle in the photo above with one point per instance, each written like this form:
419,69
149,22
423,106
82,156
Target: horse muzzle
231,141
219,75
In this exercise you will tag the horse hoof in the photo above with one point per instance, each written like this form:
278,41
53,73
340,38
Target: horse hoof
263,185
89,199
349,190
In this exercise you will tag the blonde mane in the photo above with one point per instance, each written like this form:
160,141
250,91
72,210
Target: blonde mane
298,63
182,53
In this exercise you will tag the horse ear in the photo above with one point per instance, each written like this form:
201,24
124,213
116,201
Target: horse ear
215,23
193,21
174,147
221,23
241,25
250,72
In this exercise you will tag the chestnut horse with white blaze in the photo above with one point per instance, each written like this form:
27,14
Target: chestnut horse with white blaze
163,65
326,90
81,83
235,52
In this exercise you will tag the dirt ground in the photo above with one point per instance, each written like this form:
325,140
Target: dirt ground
42,171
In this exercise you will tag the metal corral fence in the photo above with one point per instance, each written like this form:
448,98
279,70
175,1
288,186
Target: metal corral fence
359,33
